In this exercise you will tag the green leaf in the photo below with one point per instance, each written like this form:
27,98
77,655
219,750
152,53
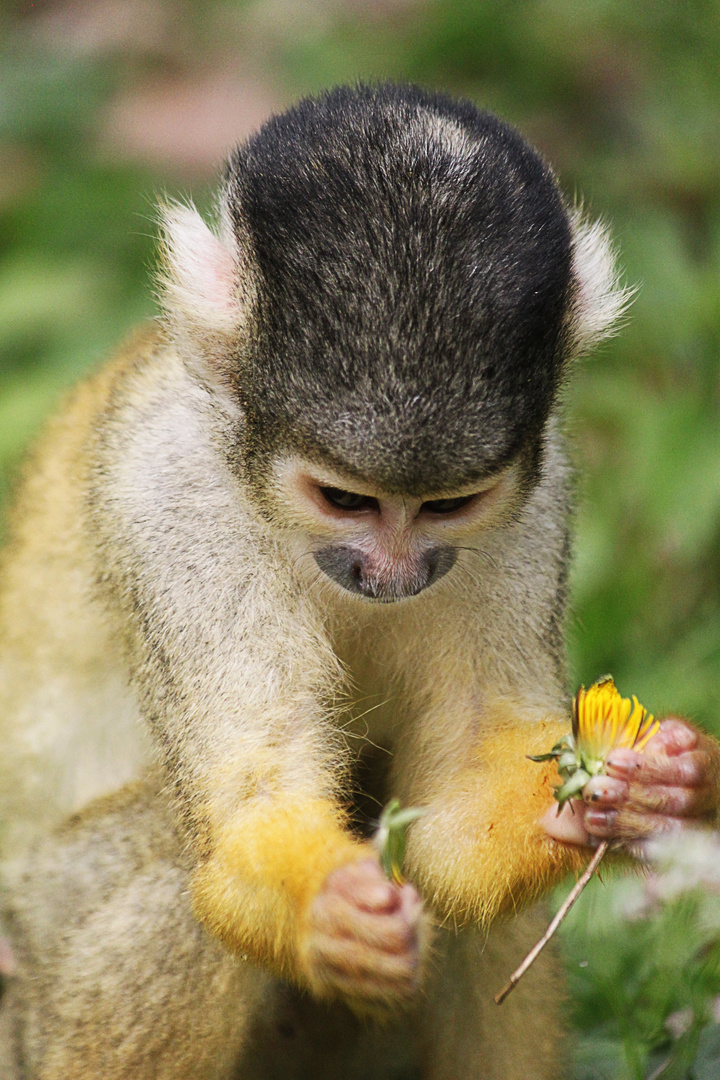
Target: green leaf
391,837
573,786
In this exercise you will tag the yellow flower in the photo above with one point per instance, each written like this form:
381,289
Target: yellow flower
602,721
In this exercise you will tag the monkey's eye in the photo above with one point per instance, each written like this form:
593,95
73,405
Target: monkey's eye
446,506
348,500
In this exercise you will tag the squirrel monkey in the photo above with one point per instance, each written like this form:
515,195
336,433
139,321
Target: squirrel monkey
301,546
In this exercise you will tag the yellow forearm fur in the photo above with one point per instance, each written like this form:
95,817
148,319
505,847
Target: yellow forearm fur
481,851
255,890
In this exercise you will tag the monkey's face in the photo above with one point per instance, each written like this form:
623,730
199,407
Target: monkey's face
382,546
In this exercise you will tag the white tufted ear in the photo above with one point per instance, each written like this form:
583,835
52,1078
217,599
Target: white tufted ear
205,286
600,300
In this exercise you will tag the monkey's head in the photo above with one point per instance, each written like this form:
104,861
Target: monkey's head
393,298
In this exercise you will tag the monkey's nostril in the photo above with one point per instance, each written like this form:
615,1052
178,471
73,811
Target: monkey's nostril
346,566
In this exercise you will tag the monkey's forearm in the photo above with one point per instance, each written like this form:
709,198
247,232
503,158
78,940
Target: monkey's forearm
255,888
264,829
232,672
481,850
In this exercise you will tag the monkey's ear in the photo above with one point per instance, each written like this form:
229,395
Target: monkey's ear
600,300
205,289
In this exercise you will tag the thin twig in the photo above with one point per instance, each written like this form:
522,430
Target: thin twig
537,949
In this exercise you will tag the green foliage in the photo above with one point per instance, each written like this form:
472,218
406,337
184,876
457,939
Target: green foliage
644,972
75,239
623,98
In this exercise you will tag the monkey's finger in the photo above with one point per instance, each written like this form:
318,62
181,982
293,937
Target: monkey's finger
601,823
364,885
358,974
368,988
606,790
673,800
372,986
353,958
391,934
411,904
629,823
337,918
674,737
689,769
623,763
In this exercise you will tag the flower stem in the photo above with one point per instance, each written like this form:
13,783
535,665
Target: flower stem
538,948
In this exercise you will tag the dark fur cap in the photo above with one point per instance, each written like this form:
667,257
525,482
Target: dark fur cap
413,263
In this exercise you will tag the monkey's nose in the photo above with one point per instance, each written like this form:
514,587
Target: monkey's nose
351,569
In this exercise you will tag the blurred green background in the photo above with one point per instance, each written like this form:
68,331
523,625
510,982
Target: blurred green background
106,103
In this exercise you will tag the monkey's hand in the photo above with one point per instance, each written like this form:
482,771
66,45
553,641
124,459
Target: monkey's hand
675,782
363,938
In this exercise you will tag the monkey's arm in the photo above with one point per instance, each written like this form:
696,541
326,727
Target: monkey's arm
480,849
275,873
236,706
236,699
236,682
492,841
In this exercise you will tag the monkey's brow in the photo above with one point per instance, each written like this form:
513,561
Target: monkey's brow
367,487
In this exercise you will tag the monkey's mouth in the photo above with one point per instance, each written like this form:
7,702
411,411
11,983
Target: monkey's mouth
348,567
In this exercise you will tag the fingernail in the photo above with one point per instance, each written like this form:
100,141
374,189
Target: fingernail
627,767
600,818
